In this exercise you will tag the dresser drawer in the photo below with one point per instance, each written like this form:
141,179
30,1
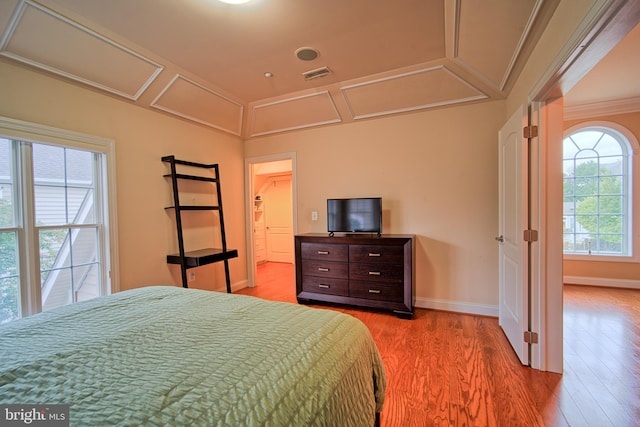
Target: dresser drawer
376,254
376,272
324,251
338,270
325,285
376,290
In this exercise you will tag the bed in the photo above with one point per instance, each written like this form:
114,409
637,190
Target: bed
163,355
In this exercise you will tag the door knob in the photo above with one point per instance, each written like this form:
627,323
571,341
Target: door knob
500,239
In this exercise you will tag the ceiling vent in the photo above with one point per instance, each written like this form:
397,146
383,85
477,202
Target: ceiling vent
314,74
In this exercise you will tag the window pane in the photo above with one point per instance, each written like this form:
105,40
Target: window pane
9,278
610,185
54,249
84,246
608,244
586,139
64,185
568,167
79,168
86,279
567,239
586,186
48,165
586,155
6,185
569,149
610,205
568,187
582,243
57,290
80,179
69,265
611,166
81,205
50,203
586,167
610,224
609,146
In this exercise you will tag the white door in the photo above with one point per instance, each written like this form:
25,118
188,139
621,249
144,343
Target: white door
513,305
279,220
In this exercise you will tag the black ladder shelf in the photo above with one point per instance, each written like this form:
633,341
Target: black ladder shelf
199,257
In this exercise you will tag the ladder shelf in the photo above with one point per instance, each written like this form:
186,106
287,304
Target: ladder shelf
196,258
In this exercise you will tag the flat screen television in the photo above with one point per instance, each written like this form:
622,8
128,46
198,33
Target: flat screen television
355,215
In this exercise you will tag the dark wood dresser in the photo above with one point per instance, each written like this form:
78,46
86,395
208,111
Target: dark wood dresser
360,270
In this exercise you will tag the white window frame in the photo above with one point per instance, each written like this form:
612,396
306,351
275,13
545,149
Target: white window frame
29,271
633,205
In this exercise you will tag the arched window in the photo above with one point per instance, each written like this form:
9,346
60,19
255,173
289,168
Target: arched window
597,170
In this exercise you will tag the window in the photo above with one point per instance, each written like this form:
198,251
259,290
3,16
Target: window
55,234
597,169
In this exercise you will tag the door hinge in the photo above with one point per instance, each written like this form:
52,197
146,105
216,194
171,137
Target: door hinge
530,337
530,235
530,132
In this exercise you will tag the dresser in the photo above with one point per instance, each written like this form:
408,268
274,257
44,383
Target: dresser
360,270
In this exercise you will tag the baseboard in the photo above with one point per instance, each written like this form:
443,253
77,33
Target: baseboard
457,306
601,281
234,286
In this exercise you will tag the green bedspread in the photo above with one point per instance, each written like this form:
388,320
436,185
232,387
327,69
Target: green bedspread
171,356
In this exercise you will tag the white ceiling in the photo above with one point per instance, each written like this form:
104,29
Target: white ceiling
205,61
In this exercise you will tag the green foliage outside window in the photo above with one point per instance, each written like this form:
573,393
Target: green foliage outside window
8,268
598,198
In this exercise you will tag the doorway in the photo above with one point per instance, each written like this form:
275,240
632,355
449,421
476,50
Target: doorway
589,43
271,215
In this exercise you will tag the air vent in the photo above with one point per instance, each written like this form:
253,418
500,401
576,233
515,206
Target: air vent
314,74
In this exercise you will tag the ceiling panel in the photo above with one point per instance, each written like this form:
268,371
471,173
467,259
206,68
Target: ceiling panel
190,100
7,8
44,39
491,34
294,113
420,89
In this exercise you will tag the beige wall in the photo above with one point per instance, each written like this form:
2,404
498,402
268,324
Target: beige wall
141,136
437,174
614,270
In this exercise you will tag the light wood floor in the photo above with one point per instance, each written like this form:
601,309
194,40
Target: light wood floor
448,369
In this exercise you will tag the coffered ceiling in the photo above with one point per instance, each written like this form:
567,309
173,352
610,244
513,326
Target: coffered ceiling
205,61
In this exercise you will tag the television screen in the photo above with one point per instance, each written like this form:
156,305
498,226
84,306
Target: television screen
354,215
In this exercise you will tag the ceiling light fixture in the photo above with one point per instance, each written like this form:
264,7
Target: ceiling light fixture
235,1
307,53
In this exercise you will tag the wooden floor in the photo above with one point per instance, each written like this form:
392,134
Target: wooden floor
448,369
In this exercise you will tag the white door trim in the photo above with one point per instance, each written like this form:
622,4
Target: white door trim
248,192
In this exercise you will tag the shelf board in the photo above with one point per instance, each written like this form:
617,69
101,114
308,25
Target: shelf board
196,208
192,177
203,257
168,159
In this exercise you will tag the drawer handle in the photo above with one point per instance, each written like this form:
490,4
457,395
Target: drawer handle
323,269
374,254
374,273
323,252
323,286
375,291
